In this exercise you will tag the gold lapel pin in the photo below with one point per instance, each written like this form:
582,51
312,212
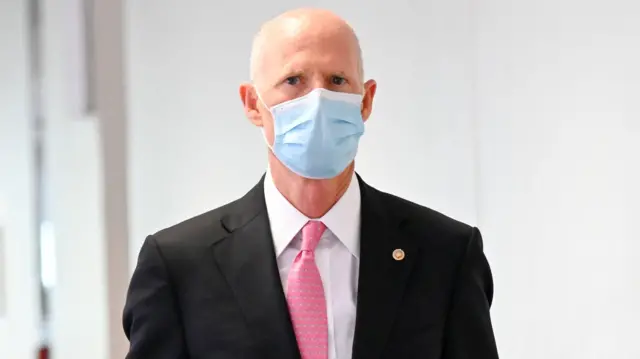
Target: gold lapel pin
398,254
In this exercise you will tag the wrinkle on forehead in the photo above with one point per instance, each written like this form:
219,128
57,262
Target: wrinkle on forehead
301,25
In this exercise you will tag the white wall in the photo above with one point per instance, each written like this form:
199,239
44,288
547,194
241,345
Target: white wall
85,158
19,336
79,320
558,112
191,149
524,119
519,116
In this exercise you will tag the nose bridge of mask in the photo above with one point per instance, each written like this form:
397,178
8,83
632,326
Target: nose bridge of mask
312,97
316,93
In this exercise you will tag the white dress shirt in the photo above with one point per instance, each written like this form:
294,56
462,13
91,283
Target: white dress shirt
337,256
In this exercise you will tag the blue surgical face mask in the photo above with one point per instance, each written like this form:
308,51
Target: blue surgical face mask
316,135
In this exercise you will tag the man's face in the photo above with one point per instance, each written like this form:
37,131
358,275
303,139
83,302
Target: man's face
298,57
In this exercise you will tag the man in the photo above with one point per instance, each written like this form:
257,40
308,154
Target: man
312,263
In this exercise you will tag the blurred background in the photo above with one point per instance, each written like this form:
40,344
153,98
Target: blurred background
520,117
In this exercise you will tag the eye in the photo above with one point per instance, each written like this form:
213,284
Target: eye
293,80
338,80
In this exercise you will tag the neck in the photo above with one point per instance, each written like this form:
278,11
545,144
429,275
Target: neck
311,197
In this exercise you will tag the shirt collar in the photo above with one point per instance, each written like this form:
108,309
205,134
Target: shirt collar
343,219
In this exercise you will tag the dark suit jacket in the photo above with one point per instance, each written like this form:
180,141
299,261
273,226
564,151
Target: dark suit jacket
209,287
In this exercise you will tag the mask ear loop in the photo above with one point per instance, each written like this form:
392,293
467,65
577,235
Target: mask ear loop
364,93
255,89
264,133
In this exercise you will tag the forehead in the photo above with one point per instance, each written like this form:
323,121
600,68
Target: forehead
309,47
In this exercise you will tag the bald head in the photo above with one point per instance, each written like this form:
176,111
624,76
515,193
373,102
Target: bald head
311,29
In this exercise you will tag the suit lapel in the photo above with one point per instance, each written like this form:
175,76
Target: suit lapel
247,260
382,278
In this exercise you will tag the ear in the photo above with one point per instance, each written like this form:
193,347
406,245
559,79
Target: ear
367,100
250,102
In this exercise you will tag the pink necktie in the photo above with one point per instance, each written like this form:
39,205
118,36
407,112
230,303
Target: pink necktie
305,296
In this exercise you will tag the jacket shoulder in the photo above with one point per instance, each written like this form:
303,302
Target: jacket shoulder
195,229
208,227
424,221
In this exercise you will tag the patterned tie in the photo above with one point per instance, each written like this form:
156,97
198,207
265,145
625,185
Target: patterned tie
305,296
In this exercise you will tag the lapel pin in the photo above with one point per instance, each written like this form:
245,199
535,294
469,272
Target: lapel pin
398,254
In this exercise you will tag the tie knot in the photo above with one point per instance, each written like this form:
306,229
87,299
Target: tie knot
311,234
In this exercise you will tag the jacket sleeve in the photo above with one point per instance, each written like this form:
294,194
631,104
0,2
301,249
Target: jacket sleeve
151,314
468,331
